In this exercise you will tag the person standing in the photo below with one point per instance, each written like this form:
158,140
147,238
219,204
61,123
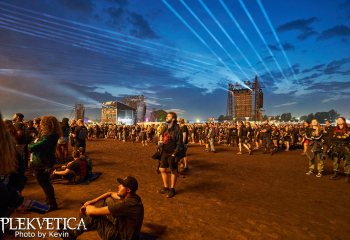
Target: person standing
62,144
211,137
172,145
185,135
80,135
314,150
341,148
10,198
43,158
266,136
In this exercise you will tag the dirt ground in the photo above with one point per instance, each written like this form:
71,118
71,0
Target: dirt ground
224,196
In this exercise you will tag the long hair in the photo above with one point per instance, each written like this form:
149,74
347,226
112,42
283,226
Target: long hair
49,125
318,128
65,123
8,154
345,127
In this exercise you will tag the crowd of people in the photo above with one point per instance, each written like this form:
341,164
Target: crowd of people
42,144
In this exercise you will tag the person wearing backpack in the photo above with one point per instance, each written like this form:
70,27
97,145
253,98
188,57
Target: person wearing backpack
80,134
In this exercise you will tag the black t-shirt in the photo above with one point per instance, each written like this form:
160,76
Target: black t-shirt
129,213
172,139
184,129
21,133
75,166
266,127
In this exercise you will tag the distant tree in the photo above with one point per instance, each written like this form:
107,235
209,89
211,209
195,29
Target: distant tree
303,118
265,118
161,115
310,117
285,117
332,115
321,116
221,118
158,116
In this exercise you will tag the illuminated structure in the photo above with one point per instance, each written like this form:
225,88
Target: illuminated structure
79,111
138,103
117,113
245,103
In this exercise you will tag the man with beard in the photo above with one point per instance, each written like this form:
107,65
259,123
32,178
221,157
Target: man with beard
115,215
172,144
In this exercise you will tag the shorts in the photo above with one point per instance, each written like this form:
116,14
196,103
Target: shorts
167,161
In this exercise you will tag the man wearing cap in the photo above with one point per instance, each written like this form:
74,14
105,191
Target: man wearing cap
115,215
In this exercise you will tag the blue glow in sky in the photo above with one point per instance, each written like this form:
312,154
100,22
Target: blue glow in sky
179,54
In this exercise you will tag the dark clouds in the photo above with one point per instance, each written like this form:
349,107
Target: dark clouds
345,4
303,26
340,86
341,31
286,47
123,19
121,3
141,27
90,92
315,67
85,6
336,66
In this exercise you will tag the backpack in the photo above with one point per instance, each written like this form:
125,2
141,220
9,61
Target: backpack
83,169
82,133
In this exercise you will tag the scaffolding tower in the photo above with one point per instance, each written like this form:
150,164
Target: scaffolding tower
245,103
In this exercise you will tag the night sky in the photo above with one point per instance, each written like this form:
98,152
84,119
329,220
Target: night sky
179,54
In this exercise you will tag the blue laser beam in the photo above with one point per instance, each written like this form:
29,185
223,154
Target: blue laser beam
105,44
98,48
211,34
129,39
201,39
223,4
227,35
262,38
23,94
276,37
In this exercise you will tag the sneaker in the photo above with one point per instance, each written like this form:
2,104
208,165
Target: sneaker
239,153
163,190
335,176
171,193
319,175
309,173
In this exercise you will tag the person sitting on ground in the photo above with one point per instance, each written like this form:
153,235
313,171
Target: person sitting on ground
88,163
74,171
115,215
